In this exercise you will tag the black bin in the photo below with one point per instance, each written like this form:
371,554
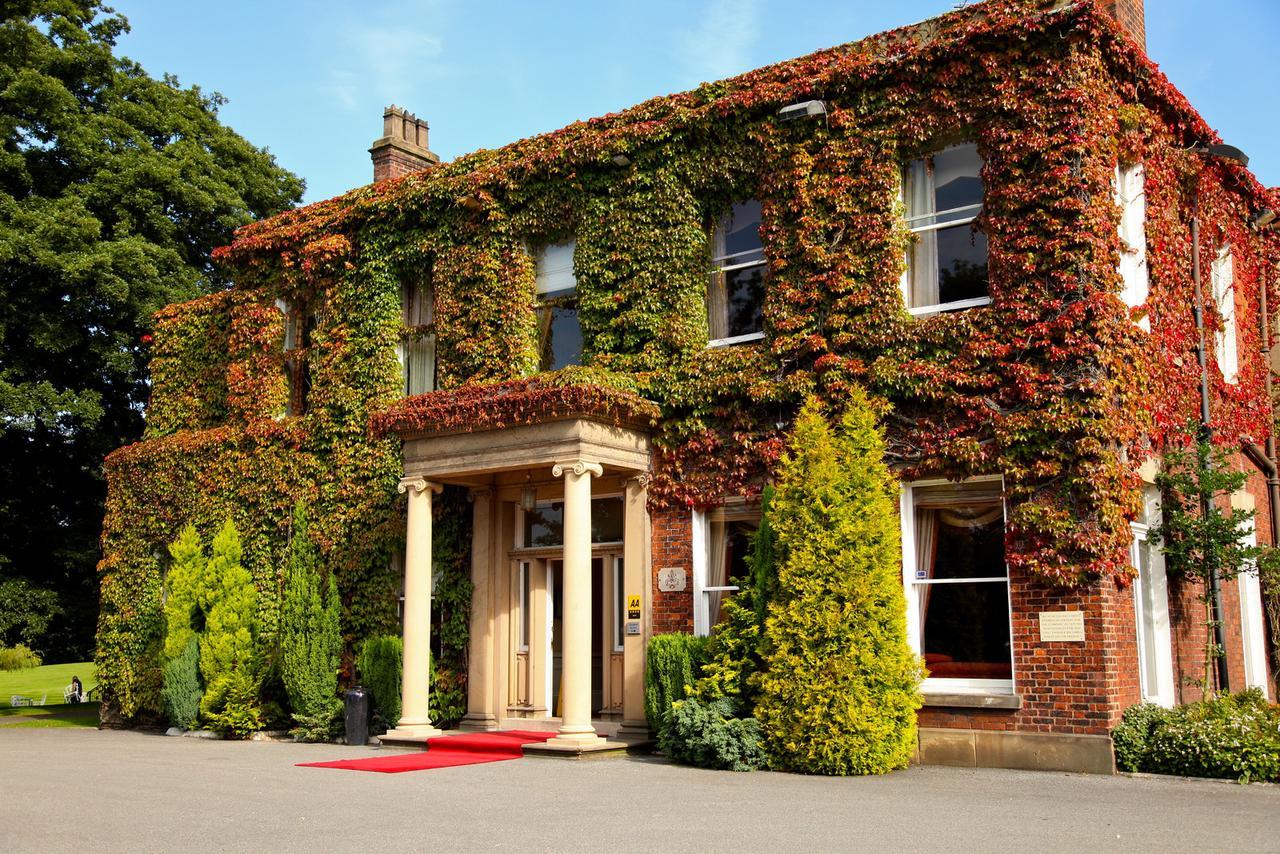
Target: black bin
357,717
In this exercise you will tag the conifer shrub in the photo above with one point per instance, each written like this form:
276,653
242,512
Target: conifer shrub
310,637
381,668
183,585
673,662
229,657
181,692
713,734
840,687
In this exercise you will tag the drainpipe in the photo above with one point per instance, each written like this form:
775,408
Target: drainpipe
1206,437
1265,458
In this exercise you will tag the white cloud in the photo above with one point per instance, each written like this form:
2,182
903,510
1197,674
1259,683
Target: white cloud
720,45
385,59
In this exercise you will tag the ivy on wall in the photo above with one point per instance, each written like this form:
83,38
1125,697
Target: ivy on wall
1052,385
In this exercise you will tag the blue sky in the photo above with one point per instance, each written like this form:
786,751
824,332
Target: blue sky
309,80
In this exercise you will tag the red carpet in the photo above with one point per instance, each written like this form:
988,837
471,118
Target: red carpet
445,751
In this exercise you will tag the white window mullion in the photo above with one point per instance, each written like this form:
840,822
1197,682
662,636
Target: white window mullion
701,620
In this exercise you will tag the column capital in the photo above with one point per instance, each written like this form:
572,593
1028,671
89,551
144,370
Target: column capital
418,484
480,492
578,467
640,479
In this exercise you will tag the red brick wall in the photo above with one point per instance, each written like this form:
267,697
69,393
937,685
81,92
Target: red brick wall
672,546
1067,687
1131,15
390,162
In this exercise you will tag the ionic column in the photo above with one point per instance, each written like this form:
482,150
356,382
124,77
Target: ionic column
575,727
415,722
636,577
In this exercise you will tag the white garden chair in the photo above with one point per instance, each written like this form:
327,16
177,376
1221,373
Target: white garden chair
19,700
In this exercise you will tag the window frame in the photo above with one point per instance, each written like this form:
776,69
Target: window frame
1222,286
300,320
915,630
702,523
1135,273
1253,621
718,271
619,604
423,332
548,300
976,209
1156,679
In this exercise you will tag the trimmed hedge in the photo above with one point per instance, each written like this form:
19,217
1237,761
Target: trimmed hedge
381,668
1234,736
673,662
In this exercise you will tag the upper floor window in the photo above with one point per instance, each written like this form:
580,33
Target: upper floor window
299,322
418,343
1132,198
947,263
735,296
1224,298
559,331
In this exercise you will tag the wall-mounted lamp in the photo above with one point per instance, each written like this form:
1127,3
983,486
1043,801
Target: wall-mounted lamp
1224,151
1262,219
802,110
621,159
529,495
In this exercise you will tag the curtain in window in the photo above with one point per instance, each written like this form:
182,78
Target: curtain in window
924,251
418,352
717,567
717,299
926,554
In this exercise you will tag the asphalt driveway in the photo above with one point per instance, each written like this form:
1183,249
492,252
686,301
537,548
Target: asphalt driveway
86,790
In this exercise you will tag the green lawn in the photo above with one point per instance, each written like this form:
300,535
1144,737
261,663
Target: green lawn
49,680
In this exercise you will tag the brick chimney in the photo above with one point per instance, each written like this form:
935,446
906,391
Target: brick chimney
403,146
1130,15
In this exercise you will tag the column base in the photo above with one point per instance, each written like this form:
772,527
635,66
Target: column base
574,740
635,730
478,722
411,734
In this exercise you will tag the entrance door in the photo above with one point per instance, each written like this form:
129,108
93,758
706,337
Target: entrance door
602,615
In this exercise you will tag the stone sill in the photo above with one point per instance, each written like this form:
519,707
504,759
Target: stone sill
973,701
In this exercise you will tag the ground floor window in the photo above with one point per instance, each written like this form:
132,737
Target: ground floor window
1151,607
721,543
957,582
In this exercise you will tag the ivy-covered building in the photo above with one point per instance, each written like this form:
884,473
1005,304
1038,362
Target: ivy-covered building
555,377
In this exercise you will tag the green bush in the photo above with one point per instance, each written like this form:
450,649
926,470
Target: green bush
18,657
181,691
711,735
232,705
840,688
734,653
381,668
672,663
1235,736
1131,738
310,638
229,658
183,589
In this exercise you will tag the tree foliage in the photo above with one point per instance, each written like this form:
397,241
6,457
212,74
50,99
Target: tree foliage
182,692
115,188
1200,545
840,689
25,611
182,610
310,638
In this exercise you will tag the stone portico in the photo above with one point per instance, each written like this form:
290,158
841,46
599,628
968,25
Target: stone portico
550,644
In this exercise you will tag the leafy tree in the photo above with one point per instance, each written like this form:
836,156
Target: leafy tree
114,189
381,666
840,688
229,657
25,611
310,639
1196,544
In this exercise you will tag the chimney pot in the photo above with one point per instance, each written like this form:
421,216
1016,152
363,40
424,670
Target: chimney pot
403,146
